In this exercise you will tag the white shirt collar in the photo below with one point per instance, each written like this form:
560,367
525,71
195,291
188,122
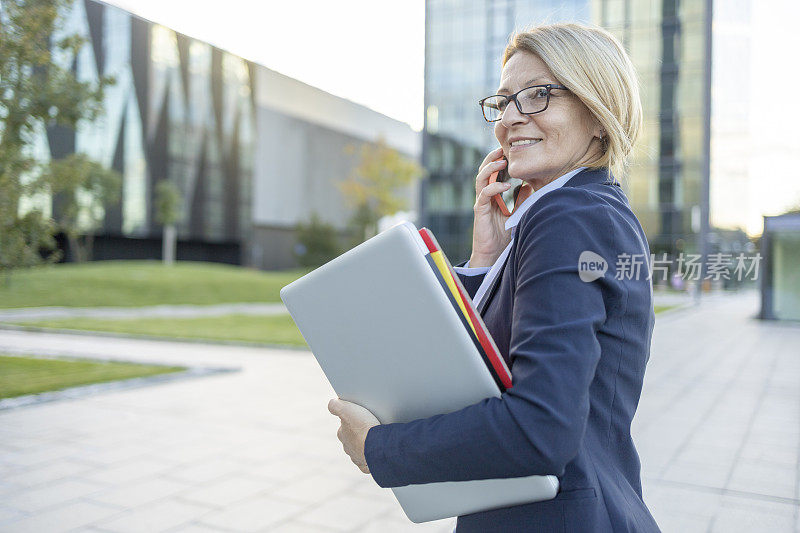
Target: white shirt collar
516,216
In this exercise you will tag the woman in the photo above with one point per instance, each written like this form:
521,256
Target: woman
572,324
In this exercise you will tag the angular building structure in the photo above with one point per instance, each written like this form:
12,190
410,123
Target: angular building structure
228,132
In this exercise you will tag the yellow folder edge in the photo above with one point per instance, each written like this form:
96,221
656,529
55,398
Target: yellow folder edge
438,258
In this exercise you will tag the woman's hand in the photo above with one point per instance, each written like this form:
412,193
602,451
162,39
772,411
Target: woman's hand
489,234
356,422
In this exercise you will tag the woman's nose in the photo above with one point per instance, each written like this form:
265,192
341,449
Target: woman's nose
511,115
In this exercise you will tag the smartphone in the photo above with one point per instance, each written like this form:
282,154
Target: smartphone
515,195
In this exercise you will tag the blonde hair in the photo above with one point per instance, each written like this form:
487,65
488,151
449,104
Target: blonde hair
594,66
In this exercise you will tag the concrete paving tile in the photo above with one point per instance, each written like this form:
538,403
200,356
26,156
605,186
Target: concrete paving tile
667,500
128,471
707,475
784,454
770,439
314,489
287,468
9,515
681,522
724,456
8,488
396,518
42,453
59,492
194,527
763,478
76,514
253,514
47,473
383,525
137,493
749,521
296,527
345,512
190,450
223,492
110,453
159,516
205,470
757,504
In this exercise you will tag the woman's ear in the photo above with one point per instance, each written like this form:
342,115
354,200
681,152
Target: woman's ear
599,131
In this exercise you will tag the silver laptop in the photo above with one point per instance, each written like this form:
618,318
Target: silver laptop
388,338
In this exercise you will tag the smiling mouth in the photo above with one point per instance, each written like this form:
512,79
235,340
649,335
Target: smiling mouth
523,144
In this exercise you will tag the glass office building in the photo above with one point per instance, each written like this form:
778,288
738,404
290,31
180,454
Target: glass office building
464,43
666,41
228,132
180,110
464,40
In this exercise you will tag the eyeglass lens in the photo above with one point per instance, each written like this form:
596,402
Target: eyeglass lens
531,100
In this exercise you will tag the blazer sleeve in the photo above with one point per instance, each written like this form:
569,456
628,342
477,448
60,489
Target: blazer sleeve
536,427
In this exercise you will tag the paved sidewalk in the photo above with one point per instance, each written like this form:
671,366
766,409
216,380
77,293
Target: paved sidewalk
173,311
718,430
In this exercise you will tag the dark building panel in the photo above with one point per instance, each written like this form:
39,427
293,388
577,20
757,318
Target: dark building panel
94,15
113,221
183,53
140,66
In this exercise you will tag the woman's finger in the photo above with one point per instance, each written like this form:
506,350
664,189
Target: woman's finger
482,179
484,198
491,156
334,406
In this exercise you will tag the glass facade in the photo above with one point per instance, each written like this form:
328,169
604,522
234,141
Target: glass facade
464,40
666,41
180,110
464,43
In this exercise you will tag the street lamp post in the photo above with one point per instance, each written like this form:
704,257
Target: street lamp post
706,178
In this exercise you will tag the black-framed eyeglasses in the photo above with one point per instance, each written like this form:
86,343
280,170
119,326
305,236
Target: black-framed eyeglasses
530,100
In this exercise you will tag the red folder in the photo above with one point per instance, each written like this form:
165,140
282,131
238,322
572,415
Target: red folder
486,346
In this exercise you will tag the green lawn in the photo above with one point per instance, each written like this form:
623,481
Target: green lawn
28,375
140,283
279,329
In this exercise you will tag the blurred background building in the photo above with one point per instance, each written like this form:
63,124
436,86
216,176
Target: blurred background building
253,152
780,284
666,41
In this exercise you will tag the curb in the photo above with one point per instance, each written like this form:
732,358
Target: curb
83,391
135,336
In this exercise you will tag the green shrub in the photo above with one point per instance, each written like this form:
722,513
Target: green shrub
317,243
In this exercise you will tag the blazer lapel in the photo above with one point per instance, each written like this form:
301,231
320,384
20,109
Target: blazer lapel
493,287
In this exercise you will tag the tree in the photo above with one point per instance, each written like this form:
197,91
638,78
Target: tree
317,243
168,212
83,188
792,210
35,90
372,189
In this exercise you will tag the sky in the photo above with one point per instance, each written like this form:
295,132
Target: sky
367,51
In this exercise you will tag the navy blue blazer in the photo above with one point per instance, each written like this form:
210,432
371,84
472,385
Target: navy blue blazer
577,351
